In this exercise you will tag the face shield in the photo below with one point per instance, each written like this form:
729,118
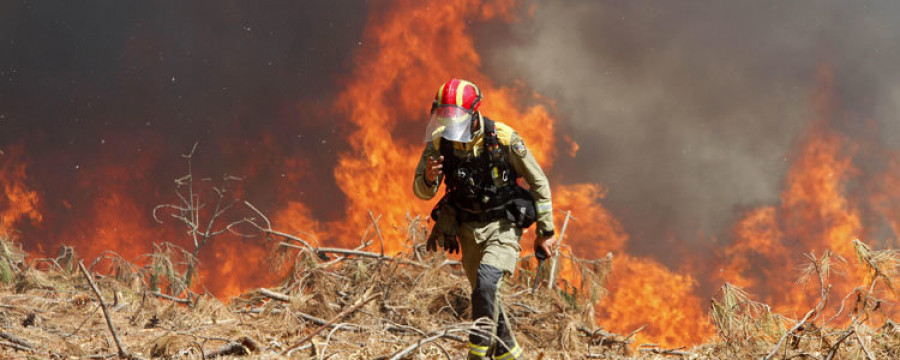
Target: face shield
454,123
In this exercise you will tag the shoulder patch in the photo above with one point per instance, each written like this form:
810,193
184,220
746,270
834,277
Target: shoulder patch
518,147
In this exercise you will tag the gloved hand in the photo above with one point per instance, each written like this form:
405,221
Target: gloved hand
431,243
451,244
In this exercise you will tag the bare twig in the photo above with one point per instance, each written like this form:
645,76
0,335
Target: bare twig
863,346
15,346
83,322
377,231
837,345
823,300
171,298
328,339
112,329
660,351
337,318
268,228
368,255
274,295
16,340
400,354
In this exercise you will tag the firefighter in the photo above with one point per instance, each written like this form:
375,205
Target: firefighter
479,161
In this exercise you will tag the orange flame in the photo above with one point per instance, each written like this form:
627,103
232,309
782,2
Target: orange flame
18,202
644,292
815,214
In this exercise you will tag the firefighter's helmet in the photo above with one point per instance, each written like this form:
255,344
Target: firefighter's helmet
454,106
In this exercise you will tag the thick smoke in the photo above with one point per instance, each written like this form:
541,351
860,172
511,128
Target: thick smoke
687,110
88,86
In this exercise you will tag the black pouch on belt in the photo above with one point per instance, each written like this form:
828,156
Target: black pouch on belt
520,209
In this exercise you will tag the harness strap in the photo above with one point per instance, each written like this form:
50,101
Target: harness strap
484,189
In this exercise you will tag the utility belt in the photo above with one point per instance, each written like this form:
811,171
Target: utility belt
518,209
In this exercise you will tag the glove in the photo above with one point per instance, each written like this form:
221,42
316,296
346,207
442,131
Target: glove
451,244
431,243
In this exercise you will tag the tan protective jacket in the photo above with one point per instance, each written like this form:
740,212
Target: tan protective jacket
517,154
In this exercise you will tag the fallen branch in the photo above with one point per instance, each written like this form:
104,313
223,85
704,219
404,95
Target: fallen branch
837,345
274,295
15,346
367,254
112,329
400,354
337,318
171,298
16,340
660,351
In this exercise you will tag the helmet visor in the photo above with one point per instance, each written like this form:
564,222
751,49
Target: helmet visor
453,122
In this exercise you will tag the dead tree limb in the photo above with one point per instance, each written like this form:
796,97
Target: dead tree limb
368,254
171,298
15,346
661,351
337,318
268,228
837,344
112,329
16,340
274,295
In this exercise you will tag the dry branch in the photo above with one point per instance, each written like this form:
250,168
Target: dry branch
660,351
274,295
15,346
400,354
268,228
123,353
171,298
337,318
16,340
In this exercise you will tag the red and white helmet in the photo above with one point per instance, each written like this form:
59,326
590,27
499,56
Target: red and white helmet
452,111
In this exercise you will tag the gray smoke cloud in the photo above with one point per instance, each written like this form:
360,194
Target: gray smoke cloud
687,110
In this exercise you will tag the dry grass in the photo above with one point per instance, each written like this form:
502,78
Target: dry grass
416,298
